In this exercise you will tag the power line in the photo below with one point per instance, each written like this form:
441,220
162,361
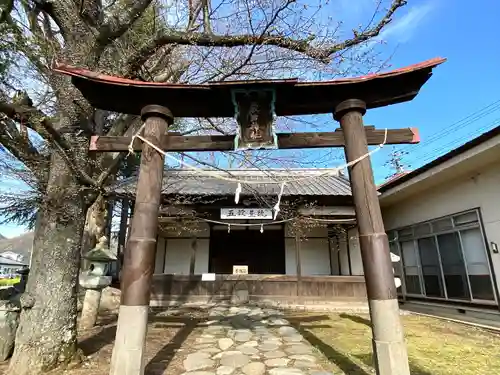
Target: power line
458,142
482,112
462,138
460,124
453,128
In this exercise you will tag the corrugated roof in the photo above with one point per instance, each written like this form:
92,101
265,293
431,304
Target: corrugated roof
184,182
10,262
393,178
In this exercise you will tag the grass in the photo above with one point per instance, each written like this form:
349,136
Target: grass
435,347
8,282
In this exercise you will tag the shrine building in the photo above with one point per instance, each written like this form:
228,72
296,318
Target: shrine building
203,234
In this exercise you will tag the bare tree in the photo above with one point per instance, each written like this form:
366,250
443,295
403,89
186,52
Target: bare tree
142,39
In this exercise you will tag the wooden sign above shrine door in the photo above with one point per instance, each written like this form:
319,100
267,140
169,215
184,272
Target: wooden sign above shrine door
246,213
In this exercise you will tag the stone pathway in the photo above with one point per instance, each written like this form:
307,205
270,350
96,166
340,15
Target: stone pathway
249,341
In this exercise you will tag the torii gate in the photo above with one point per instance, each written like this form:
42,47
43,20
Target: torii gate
254,104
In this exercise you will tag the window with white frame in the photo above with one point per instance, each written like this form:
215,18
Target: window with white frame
445,258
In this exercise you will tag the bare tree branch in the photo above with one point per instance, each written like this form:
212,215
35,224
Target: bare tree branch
23,149
39,122
120,22
262,34
62,13
7,9
111,162
304,46
91,12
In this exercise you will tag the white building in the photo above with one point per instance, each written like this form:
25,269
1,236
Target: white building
444,219
8,267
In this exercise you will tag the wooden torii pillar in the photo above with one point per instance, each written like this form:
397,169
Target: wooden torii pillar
139,256
291,98
389,349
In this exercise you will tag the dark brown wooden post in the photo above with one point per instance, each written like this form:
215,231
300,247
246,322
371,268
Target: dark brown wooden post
299,267
109,221
192,261
139,257
389,348
122,234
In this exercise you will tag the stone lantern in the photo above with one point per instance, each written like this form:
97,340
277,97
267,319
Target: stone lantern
94,279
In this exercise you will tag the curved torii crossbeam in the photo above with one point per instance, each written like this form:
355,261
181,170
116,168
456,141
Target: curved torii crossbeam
213,99
348,99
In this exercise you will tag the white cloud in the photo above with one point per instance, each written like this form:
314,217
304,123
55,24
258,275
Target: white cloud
402,29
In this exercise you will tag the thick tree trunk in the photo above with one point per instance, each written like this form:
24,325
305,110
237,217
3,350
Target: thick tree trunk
47,334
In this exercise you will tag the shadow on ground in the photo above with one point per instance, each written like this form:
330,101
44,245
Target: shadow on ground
356,319
343,362
104,335
346,364
160,362
164,346
367,359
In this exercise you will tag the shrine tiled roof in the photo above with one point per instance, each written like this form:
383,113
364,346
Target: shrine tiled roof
323,182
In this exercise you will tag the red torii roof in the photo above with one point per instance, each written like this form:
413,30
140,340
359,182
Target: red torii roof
214,99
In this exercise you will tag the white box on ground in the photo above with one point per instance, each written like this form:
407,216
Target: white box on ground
208,277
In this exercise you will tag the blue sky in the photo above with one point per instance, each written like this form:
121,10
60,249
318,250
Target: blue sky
468,82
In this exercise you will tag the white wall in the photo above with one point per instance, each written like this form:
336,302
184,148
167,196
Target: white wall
201,231
314,252
478,190
315,256
175,258
173,251
173,254
355,252
346,254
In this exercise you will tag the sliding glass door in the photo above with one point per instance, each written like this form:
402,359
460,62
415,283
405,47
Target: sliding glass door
477,264
455,275
431,267
411,268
